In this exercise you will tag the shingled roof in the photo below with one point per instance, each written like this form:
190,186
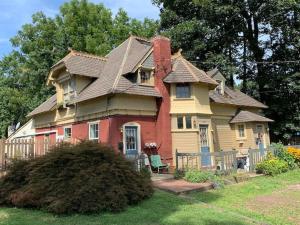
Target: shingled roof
185,72
81,63
246,116
46,106
235,97
120,61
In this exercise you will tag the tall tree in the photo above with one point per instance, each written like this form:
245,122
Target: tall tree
81,25
251,34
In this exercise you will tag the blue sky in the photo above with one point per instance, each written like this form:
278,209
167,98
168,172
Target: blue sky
15,13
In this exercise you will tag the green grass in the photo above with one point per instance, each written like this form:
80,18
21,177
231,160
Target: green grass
162,208
225,206
237,198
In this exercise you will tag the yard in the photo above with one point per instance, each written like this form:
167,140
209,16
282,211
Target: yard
271,200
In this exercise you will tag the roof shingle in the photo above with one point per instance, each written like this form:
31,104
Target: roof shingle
246,116
185,72
46,106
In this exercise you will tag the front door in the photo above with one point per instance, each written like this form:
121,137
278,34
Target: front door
131,140
204,145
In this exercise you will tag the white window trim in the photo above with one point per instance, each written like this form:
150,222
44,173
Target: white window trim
238,133
65,132
93,123
132,124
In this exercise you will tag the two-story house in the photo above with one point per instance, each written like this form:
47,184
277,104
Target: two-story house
139,97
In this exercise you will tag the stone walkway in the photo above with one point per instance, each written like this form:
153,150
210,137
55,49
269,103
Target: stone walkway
166,182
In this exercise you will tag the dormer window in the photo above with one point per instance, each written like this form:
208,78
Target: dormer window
220,88
146,76
68,90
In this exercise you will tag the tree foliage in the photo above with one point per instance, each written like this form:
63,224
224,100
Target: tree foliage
259,38
80,25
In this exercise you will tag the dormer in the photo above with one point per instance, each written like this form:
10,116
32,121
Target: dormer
74,73
221,80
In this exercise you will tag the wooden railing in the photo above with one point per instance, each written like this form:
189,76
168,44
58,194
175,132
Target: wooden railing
223,160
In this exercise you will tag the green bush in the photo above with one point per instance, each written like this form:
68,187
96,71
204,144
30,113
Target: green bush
178,174
272,166
197,176
83,178
282,153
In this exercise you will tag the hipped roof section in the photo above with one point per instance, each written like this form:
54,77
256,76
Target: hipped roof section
185,72
246,116
235,97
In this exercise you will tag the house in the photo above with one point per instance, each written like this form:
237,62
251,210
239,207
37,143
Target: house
27,131
140,97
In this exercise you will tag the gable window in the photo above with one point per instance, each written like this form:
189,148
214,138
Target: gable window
67,133
94,131
241,130
179,122
68,90
183,91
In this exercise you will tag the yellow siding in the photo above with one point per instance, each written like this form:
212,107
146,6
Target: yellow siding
198,103
82,82
223,110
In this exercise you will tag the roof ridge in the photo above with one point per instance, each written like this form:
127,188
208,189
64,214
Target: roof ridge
88,55
140,38
122,65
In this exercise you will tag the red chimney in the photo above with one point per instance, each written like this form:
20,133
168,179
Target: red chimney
162,54
163,66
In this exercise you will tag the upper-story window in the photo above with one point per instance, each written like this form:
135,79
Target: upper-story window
68,90
183,91
146,76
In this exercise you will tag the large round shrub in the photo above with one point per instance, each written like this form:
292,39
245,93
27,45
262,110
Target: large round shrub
83,178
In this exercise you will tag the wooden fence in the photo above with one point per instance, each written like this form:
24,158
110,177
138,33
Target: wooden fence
29,148
223,160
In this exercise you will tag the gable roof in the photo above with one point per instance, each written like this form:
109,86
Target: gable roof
46,106
246,116
235,97
81,63
120,61
185,72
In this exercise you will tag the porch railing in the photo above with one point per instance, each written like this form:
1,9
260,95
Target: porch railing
223,160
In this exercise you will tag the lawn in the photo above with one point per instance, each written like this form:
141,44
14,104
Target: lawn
275,200
162,208
272,200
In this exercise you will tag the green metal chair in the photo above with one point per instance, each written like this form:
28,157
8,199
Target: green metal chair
156,163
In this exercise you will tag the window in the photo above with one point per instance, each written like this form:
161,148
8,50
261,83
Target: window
183,91
145,76
69,90
241,130
67,132
188,122
94,131
180,122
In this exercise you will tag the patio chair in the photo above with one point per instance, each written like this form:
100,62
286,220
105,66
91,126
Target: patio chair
156,163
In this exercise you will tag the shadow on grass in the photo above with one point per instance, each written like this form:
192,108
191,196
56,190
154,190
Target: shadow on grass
163,208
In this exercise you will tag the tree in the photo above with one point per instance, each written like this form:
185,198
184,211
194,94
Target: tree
253,35
81,25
